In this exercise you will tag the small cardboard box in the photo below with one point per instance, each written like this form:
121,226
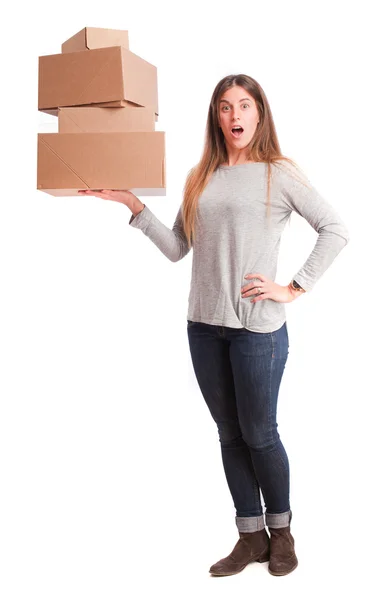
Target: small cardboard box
68,162
97,76
92,119
90,38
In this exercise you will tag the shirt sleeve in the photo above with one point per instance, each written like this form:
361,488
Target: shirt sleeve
171,242
333,235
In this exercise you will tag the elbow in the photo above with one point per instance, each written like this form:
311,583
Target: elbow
344,232
183,250
177,258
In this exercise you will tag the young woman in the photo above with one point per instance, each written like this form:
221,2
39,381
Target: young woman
237,201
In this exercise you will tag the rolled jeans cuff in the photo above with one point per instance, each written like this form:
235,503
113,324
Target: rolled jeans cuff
250,524
277,520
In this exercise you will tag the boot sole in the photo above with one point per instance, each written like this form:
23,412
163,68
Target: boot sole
285,572
260,560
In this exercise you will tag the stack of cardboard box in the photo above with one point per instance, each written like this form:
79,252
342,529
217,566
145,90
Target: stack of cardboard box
106,101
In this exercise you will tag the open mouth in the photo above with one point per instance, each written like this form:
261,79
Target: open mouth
237,131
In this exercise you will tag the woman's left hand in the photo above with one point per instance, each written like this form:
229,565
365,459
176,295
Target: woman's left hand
268,289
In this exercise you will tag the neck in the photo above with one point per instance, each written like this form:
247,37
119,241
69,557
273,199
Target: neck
236,157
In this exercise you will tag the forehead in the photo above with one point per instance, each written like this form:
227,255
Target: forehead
235,93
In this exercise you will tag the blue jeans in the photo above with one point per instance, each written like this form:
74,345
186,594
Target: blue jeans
239,374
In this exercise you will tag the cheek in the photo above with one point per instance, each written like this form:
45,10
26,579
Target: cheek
252,124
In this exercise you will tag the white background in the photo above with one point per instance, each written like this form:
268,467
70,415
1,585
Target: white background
111,477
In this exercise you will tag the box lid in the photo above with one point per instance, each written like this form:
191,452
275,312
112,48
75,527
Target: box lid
90,38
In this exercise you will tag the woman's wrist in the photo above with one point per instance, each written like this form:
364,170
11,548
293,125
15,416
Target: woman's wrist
137,208
294,292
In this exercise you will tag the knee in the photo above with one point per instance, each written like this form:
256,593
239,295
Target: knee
229,433
261,439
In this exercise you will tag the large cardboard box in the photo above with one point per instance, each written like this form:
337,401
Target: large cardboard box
90,38
68,162
86,119
102,75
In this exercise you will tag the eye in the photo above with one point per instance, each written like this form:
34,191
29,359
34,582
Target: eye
245,104
226,106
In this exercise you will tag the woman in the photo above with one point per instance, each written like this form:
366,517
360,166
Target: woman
237,201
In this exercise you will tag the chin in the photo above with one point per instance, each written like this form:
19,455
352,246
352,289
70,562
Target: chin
239,146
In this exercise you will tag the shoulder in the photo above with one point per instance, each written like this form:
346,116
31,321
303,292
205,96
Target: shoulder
289,174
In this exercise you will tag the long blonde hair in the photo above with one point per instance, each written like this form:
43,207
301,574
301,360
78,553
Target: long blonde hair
264,147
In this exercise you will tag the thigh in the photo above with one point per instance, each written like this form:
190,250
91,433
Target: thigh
258,361
212,367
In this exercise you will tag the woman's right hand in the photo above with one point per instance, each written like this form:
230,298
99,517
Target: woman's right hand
123,196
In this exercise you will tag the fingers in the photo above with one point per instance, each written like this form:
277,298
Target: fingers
252,291
104,194
262,296
92,192
251,287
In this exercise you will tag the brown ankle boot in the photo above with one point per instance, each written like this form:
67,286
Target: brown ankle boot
250,547
283,559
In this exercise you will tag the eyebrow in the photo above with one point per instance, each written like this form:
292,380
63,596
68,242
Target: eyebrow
242,100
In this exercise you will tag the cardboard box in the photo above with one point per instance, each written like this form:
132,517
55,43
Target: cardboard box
90,38
92,119
96,76
117,104
68,162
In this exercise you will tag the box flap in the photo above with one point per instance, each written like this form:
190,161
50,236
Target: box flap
95,37
50,162
74,43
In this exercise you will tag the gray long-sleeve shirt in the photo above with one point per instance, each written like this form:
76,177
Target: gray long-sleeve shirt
235,236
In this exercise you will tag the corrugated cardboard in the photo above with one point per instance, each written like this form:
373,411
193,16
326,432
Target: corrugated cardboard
121,103
96,76
90,38
86,119
68,162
